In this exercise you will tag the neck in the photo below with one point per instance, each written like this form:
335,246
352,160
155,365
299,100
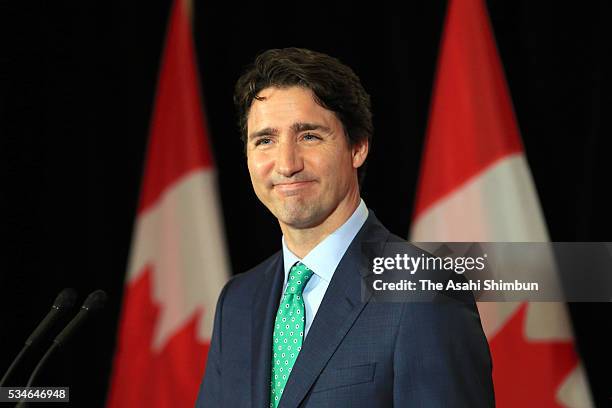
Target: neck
301,241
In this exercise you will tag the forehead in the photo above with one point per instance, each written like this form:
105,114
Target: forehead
281,107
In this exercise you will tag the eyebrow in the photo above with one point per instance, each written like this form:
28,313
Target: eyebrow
296,127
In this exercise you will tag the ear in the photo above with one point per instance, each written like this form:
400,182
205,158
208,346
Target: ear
359,152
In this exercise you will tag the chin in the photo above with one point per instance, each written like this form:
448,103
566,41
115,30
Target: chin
302,217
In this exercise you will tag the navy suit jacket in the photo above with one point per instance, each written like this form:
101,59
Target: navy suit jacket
358,353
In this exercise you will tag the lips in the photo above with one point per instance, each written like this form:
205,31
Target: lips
292,188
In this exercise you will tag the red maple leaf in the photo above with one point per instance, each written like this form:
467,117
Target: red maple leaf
146,378
528,373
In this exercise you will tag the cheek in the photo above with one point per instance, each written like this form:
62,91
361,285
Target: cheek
340,161
332,167
259,166
343,170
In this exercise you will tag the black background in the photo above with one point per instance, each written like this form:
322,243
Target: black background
78,81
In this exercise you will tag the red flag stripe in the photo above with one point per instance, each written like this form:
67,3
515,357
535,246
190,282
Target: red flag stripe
178,114
470,99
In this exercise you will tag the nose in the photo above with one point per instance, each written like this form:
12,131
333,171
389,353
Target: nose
289,160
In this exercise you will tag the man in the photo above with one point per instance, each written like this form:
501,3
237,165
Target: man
295,330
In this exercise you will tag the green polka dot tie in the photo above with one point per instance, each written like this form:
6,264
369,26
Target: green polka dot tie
288,331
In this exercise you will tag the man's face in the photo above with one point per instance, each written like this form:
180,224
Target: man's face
301,165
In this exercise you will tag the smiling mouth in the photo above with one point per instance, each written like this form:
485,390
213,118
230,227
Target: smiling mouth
289,188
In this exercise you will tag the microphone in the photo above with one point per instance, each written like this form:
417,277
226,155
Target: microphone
63,302
94,302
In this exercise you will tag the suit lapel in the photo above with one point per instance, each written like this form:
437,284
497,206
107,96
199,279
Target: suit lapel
265,305
340,307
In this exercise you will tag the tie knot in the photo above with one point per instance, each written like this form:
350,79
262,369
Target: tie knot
298,277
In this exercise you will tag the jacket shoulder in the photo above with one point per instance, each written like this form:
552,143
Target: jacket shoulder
245,283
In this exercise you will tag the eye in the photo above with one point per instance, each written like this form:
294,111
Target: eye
311,136
263,141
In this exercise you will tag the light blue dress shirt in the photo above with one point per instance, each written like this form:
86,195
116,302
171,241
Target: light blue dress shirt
323,260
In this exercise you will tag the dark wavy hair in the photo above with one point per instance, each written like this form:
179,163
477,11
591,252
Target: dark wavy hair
334,85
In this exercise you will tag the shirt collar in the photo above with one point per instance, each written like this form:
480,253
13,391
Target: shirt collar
325,257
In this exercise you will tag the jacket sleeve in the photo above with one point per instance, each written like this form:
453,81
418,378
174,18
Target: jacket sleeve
210,389
441,357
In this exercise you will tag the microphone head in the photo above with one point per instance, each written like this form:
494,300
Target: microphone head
95,301
63,302
66,299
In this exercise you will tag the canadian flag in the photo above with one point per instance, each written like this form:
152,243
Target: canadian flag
475,186
178,261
